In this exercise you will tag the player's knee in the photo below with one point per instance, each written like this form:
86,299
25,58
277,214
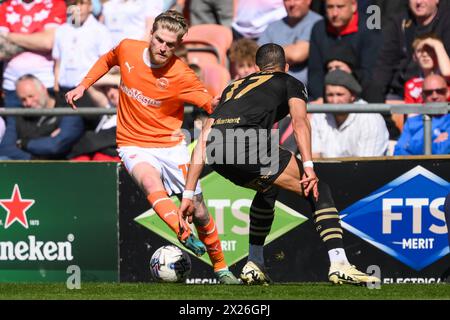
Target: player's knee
149,184
325,198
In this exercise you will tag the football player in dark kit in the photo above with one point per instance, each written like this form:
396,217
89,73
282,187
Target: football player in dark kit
236,141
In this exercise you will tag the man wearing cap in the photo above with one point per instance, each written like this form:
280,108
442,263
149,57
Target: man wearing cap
347,134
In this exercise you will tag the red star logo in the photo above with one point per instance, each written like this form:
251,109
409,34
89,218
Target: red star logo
16,207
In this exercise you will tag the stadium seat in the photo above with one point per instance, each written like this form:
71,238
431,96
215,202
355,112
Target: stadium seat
215,77
208,43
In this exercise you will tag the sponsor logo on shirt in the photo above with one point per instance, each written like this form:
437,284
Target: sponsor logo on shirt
138,96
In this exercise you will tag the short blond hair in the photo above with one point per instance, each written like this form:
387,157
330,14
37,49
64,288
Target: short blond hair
173,21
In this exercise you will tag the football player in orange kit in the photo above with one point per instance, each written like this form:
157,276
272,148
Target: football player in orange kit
155,85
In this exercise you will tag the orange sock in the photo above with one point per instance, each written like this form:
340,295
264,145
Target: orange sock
210,237
165,208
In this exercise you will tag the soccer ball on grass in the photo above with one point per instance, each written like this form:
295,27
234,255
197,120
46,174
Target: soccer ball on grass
170,264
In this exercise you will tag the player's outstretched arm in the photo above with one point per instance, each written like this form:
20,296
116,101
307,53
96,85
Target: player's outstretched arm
302,133
98,70
198,159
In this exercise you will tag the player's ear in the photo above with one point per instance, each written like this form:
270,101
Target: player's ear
286,67
257,68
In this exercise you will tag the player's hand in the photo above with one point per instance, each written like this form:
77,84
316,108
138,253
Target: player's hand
74,95
186,210
309,182
215,102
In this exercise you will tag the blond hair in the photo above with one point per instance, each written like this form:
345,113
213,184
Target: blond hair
173,21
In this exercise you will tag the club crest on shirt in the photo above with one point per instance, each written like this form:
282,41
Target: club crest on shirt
162,83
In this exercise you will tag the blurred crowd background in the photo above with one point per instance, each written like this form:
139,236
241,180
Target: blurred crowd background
345,51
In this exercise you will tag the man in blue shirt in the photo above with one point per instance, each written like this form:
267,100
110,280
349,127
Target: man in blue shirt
411,140
293,34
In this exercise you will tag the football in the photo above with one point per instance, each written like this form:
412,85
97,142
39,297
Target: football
170,264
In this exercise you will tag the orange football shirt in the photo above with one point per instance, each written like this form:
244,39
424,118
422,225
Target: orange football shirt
151,100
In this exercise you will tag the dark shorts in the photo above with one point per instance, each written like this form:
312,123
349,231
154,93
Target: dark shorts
255,176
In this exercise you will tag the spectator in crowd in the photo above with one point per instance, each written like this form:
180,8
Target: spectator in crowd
343,25
253,17
342,56
30,26
293,34
411,142
430,54
132,19
78,44
347,134
211,12
387,8
2,128
395,64
39,137
242,57
100,144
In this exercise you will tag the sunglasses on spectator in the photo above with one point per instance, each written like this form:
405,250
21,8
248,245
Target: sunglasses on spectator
440,91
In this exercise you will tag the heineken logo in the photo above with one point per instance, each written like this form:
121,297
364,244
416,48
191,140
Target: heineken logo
33,250
30,250
16,208
229,205
45,228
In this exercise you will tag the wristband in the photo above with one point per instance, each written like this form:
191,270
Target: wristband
188,194
308,164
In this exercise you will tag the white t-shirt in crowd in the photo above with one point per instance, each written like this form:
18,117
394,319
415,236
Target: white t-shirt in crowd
78,48
253,16
127,19
361,135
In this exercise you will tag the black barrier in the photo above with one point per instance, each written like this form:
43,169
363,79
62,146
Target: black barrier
398,232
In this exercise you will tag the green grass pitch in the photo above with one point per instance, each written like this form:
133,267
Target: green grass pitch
157,291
